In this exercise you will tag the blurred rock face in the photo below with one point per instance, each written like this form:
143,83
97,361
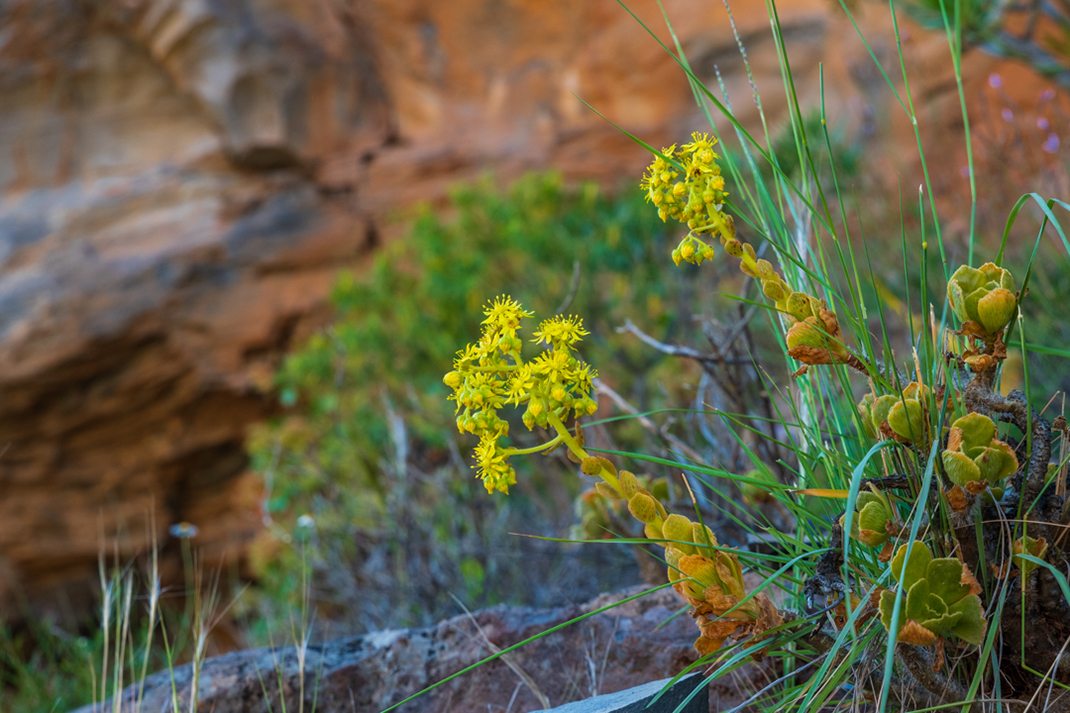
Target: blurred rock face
181,179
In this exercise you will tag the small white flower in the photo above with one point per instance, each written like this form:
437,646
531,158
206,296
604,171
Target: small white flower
306,521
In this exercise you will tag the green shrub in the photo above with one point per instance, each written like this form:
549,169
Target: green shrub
368,449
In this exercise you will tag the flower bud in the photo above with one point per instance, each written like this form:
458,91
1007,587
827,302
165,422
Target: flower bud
687,250
452,379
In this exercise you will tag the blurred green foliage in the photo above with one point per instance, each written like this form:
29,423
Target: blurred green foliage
367,448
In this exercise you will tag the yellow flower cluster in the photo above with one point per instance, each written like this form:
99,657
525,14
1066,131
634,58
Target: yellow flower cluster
686,185
491,373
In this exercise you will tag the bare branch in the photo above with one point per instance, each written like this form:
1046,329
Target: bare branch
674,350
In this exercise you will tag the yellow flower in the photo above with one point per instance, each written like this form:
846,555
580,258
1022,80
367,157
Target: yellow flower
693,196
492,372
520,385
504,315
561,332
492,465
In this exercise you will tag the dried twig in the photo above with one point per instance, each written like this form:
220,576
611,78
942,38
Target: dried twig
646,423
674,350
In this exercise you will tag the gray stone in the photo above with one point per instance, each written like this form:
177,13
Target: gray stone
611,651
640,698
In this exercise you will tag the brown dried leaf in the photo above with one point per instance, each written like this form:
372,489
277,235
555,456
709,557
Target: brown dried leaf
969,580
976,487
705,645
956,498
914,633
887,552
954,439
972,329
812,356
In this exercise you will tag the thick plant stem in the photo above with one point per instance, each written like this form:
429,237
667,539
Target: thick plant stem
577,450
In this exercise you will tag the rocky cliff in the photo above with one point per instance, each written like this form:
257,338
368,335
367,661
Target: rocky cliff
181,179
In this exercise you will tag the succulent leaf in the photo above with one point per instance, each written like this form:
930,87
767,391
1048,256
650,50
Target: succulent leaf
941,598
974,454
907,419
984,296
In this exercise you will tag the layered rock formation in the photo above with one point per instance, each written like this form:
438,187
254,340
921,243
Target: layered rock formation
181,179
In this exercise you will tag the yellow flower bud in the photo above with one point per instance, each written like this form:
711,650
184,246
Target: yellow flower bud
452,379
679,189
558,393
687,250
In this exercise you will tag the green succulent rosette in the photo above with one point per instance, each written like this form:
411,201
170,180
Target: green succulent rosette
906,414
974,454
873,513
940,597
983,295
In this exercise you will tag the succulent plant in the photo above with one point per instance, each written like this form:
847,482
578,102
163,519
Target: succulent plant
814,338
906,414
711,581
974,454
983,295
940,597
874,511
602,513
865,415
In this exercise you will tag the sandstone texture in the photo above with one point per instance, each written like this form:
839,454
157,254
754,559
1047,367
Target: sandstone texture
180,180
608,652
